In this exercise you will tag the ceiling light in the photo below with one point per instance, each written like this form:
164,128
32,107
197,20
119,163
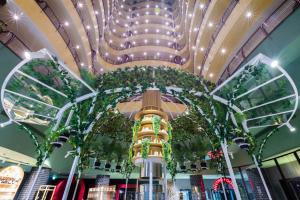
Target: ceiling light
146,30
121,45
145,53
147,5
168,32
117,21
156,13
158,54
110,41
16,17
249,14
167,23
274,63
147,13
136,22
145,41
165,8
196,29
106,53
147,21
134,42
119,58
211,75
120,13
101,69
126,25
127,17
157,41
135,31
122,6
66,23
124,34
223,50
80,5
77,46
190,15
96,12
138,14
183,60
166,15
193,47
199,67
171,56
156,6
169,43
210,24
201,6
27,55
88,27
202,49
81,64
114,30
132,55
157,30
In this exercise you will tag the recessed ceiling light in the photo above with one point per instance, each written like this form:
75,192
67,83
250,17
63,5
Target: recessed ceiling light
66,23
136,22
110,41
106,53
145,53
248,14
167,23
133,42
119,58
165,8
146,30
147,20
80,5
122,6
210,24
190,15
77,47
88,27
16,17
132,55
145,41
193,47
201,48
101,69
147,5
114,30
166,15
168,32
126,25
199,67
157,30
127,17
117,21
81,64
135,31
171,56
147,13
156,13
156,6
211,75
223,50
169,43
157,41
158,54
96,13
120,13
201,6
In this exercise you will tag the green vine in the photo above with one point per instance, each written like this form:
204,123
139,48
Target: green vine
156,124
145,147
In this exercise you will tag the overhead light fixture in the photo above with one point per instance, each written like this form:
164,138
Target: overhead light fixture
127,17
147,13
147,21
210,24
171,56
135,31
80,5
147,5
114,30
106,53
146,30
202,49
88,27
96,12
77,47
211,75
196,29
122,6
156,6
110,41
193,47
158,54
292,129
101,69
117,21
190,15
201,6
16,17
132,55
81,64
145,53
199,67
157,41
145,41
157,30
168,32
223,50
248,14
183,60
66,23
167,23
274,63
136,22
166,15
134,42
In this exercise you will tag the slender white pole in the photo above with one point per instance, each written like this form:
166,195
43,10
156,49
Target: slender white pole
36,177
71,175
165,181
223,188
230,170
262,177
125,196
77,183
151,181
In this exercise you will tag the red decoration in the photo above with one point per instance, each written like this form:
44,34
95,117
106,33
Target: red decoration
217,183
215,154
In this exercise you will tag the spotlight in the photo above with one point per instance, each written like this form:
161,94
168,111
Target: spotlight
274,63
223,50
5,123
292,129
16,17
249,14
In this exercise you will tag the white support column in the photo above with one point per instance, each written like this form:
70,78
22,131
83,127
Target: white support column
262,177
230,170
165,181
151,181
223,188
125,196
77,183
71,175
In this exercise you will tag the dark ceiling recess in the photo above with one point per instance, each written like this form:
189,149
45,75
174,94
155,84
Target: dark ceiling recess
2,2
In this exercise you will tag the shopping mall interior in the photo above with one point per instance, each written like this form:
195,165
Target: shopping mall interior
149,99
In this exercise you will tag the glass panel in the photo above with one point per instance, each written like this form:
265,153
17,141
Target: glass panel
289,166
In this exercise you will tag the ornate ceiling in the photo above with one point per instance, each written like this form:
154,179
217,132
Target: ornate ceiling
200,36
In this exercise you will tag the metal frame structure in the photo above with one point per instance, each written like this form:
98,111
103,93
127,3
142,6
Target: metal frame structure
42,54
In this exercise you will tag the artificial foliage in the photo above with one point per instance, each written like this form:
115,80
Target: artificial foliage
156,124
94,120
145,147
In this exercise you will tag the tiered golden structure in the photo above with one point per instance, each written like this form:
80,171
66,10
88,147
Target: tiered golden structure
151,107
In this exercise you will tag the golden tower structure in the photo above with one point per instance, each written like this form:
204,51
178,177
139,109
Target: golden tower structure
153,127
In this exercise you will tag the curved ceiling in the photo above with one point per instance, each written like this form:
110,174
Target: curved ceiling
198,35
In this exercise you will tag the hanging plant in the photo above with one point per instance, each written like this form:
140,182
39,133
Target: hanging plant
145,148
136,127
170,131
156,124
